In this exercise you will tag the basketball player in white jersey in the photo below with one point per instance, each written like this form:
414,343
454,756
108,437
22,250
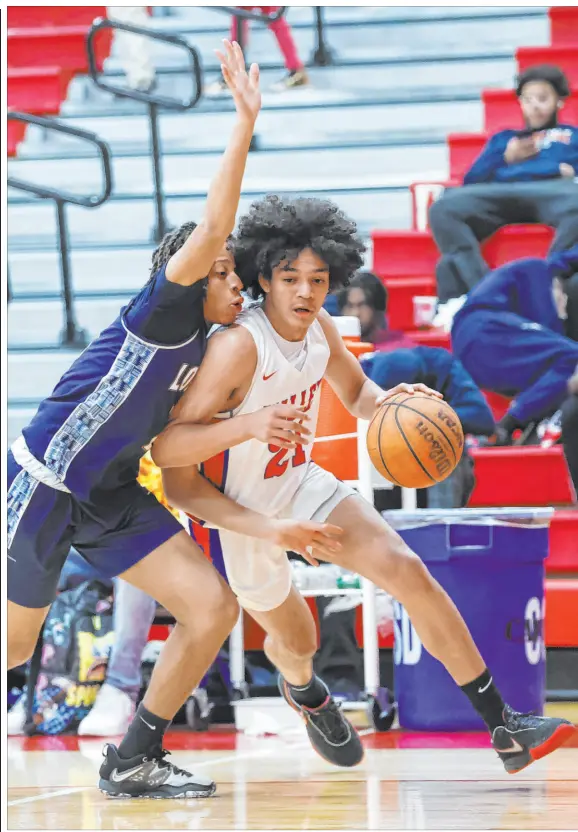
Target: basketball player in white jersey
292,254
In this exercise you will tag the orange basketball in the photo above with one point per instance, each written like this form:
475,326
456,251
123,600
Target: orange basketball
415,440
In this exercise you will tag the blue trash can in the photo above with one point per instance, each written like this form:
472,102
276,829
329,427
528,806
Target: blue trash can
491,563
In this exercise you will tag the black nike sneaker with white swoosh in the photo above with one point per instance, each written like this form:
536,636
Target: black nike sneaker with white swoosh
152,777
331,734
525,738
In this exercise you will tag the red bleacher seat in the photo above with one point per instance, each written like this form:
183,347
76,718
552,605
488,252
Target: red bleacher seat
528,476
561,628
39,89
563,25
432,338
401,292
463,150
502,111
565,57
563,555
62,46
25,16
15,134
414,253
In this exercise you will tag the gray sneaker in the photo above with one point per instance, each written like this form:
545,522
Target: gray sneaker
525,738
152,777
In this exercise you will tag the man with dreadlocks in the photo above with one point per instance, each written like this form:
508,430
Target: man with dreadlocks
291,254
73,472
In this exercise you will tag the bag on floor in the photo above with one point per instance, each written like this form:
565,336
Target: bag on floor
71,659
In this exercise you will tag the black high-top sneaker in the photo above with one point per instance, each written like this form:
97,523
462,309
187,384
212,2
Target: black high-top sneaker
525,738
331,734
151,777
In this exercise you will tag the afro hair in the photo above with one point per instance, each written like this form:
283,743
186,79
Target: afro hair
553,75
277,229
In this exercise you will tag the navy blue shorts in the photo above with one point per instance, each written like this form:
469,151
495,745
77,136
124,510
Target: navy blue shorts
44,523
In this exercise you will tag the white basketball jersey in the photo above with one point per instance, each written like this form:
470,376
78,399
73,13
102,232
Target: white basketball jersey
264,477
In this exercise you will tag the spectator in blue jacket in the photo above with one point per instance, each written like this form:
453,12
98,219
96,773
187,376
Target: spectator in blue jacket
440,370
509,335
523,176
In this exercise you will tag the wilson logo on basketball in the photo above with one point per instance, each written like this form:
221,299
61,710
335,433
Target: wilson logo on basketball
437,454
452,424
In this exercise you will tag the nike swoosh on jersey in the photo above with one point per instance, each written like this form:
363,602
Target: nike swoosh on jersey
266,378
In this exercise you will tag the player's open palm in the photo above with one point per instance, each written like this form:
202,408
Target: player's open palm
310,540
243,85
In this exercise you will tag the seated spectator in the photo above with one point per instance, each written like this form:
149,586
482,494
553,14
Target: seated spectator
366,298
296,72
520,177
509,336
439,369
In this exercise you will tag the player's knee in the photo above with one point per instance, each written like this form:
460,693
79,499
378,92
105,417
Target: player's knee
403,570
222,606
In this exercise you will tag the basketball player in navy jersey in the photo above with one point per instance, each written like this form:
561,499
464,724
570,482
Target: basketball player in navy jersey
72,474
291,253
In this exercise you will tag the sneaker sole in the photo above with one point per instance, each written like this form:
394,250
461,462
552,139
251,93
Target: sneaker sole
561,735
158,795
287,699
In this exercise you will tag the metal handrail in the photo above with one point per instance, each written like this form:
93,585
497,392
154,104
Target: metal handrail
72,335
152,100
48,123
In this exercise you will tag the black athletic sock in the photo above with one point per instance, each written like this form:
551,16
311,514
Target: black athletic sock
486,699
144,736
311,695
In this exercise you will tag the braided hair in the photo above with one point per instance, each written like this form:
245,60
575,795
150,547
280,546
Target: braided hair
277,229
169,245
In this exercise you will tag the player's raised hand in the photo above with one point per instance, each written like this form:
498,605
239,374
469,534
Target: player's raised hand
408,388
243,85
310,540
283,425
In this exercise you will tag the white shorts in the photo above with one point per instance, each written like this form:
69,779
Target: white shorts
260,574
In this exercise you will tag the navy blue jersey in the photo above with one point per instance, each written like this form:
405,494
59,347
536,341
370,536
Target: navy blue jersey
118,394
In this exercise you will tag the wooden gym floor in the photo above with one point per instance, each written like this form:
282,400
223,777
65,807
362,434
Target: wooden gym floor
406,781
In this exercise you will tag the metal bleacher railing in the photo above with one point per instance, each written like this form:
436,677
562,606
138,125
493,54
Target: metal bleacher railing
153,101
72,335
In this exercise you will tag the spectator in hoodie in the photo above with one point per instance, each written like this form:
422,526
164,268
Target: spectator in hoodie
440,370
366,298
509,335
520,177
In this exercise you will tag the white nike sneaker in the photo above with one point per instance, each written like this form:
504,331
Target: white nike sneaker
16,717
152,777
110,715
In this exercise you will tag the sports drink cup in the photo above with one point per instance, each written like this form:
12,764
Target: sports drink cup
424,310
